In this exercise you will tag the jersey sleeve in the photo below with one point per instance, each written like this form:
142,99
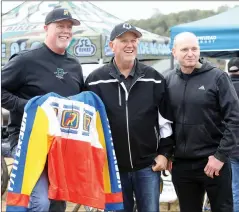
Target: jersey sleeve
30,158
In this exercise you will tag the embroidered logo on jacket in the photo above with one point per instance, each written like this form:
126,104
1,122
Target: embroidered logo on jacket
60,73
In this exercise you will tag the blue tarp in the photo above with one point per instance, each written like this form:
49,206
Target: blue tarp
218,35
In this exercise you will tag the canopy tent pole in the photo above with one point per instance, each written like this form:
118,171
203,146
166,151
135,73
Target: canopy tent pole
171,62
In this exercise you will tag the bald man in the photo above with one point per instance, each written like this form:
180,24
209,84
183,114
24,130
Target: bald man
206,124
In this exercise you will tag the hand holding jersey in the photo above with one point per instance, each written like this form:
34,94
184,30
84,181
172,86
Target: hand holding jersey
59,130
47,67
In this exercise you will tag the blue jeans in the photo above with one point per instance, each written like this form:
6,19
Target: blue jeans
145,184
39,197
235,183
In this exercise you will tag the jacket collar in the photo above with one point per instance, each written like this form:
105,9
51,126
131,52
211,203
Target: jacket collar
138,68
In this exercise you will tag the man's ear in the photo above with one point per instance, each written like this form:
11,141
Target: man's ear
137,40
111,45
45,28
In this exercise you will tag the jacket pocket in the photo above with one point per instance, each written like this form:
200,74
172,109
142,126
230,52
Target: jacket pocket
199,143
208,137
193,141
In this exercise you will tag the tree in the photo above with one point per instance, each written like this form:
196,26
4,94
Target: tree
222,8
160,23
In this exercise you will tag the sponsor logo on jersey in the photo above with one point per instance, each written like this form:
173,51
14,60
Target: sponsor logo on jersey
87,117
70,119
86,122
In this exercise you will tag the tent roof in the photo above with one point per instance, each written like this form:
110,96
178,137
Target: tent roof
92,18
216,34
23,27
228,19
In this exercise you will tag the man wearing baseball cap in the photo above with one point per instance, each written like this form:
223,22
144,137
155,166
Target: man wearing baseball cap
233,70
60,14
135,98
46,68
58,28
120,29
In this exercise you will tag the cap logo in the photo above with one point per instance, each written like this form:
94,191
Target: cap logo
234,68
127,26
66,12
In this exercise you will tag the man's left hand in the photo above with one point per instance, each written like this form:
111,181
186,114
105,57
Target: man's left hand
213,166
161,163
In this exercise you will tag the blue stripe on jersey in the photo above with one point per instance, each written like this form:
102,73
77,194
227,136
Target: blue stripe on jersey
114,206
16,209
114,180
17,186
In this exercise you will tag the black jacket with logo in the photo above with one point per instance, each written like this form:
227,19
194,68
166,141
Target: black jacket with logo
133,115
37,72
206,113
235,151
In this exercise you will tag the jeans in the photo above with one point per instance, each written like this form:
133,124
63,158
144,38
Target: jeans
39,197
145,184
235,183
190,183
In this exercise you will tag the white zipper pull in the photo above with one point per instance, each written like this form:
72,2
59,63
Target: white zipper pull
120,101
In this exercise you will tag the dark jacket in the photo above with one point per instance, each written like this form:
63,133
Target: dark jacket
235,151
206,113
133,115
37,72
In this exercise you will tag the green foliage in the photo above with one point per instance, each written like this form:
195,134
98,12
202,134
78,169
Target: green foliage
160,23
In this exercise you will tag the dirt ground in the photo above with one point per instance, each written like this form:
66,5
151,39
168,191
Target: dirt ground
164,207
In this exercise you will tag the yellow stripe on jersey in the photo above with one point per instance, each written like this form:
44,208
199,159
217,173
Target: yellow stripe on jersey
106,176
36,157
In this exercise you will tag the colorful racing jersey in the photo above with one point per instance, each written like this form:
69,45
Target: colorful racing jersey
73,136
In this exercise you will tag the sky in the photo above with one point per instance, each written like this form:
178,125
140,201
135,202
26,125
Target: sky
126,10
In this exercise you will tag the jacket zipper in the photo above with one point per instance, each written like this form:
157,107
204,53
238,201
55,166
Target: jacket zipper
157,137
120,103
185,85
127,116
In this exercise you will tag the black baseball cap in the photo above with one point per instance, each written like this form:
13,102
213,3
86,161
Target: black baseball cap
60,14
122,28
233,64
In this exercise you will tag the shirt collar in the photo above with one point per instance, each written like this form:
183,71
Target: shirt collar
132,72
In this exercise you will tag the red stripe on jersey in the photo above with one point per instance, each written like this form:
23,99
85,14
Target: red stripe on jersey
114,198
17,199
